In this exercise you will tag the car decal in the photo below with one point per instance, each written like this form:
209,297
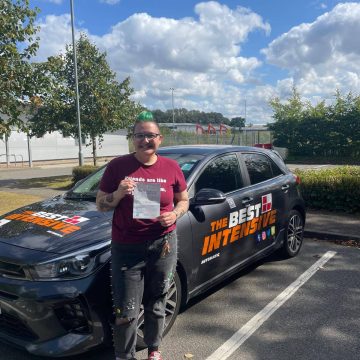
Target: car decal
3,222
64,224
258,219
231,203
212,257
268,234
55,233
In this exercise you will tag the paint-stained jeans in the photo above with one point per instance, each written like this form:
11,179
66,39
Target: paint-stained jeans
141,273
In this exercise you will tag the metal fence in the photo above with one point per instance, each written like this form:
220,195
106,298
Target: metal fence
245,138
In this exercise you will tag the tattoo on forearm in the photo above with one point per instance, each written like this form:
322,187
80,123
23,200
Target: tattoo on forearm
109,198
104,207
104,204
180,209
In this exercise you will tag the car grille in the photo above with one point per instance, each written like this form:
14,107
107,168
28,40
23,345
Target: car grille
74,317
11,270
13,326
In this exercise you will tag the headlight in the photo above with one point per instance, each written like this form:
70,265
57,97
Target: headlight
71,266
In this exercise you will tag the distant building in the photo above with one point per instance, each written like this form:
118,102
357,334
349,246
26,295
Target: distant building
211,129
198,128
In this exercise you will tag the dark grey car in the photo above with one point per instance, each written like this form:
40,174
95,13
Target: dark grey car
54,255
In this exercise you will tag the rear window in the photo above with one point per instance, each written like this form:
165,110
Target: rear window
260,167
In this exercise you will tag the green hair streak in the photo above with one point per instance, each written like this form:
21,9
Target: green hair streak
145,116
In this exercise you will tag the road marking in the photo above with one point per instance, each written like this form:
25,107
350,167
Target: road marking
231,345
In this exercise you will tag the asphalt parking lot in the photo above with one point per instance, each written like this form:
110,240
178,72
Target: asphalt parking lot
317,320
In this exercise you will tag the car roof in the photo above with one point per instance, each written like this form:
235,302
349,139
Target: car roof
209,151
205,149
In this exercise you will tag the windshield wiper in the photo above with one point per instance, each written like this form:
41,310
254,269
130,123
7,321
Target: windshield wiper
80,196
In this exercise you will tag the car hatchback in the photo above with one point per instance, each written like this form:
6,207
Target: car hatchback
55,297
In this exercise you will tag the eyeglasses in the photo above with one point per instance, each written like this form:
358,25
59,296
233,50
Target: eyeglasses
142,136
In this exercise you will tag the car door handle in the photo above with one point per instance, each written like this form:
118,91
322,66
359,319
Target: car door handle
247,200
285,187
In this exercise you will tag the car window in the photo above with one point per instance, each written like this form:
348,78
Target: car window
260,167
187,162
222,174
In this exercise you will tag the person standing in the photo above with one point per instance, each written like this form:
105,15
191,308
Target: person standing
144,243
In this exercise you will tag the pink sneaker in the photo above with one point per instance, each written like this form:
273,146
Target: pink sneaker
155,355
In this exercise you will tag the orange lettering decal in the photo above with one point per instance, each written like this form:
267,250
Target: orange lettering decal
259,223
59,226
253,226
27,218
245,228
70,229
272,217
13,216
235,233
46,222
266,219
36,220
215,241
226,234
205,246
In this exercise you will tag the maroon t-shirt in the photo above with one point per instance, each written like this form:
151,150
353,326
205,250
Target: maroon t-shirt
165,171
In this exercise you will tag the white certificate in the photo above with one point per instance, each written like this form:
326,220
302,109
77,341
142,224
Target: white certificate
146,201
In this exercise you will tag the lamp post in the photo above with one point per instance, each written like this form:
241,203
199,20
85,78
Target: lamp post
81,158
172,102
245,122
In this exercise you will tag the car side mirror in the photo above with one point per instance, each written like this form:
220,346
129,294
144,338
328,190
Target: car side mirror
209,196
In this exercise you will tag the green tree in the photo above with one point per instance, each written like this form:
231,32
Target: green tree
190,116
105,104
237,122
287,117
17,46
319,130
344,115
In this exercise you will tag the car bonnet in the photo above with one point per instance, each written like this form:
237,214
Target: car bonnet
56,225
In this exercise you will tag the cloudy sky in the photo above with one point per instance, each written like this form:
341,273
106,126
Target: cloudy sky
228,56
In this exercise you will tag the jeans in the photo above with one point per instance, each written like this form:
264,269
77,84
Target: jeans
141,273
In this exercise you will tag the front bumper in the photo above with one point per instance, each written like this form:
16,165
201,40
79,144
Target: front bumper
59,318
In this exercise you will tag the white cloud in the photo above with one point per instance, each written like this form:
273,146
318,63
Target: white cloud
324,55
199,56
110,2
58,2
55,33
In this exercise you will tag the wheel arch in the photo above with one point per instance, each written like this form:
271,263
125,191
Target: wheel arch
184,285
301,210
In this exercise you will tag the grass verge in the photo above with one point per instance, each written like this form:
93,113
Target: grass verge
11,201
63,182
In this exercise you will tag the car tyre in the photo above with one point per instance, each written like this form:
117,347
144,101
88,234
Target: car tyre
173,303
294,232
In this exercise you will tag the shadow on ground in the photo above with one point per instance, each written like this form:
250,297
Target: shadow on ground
48,182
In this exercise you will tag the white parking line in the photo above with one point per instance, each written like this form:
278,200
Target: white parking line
231,345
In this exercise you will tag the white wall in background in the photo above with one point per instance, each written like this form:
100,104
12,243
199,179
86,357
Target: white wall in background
53,146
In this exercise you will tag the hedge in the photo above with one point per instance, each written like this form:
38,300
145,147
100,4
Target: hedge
334,189
81,172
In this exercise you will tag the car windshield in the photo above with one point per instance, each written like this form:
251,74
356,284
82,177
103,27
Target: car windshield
87,189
